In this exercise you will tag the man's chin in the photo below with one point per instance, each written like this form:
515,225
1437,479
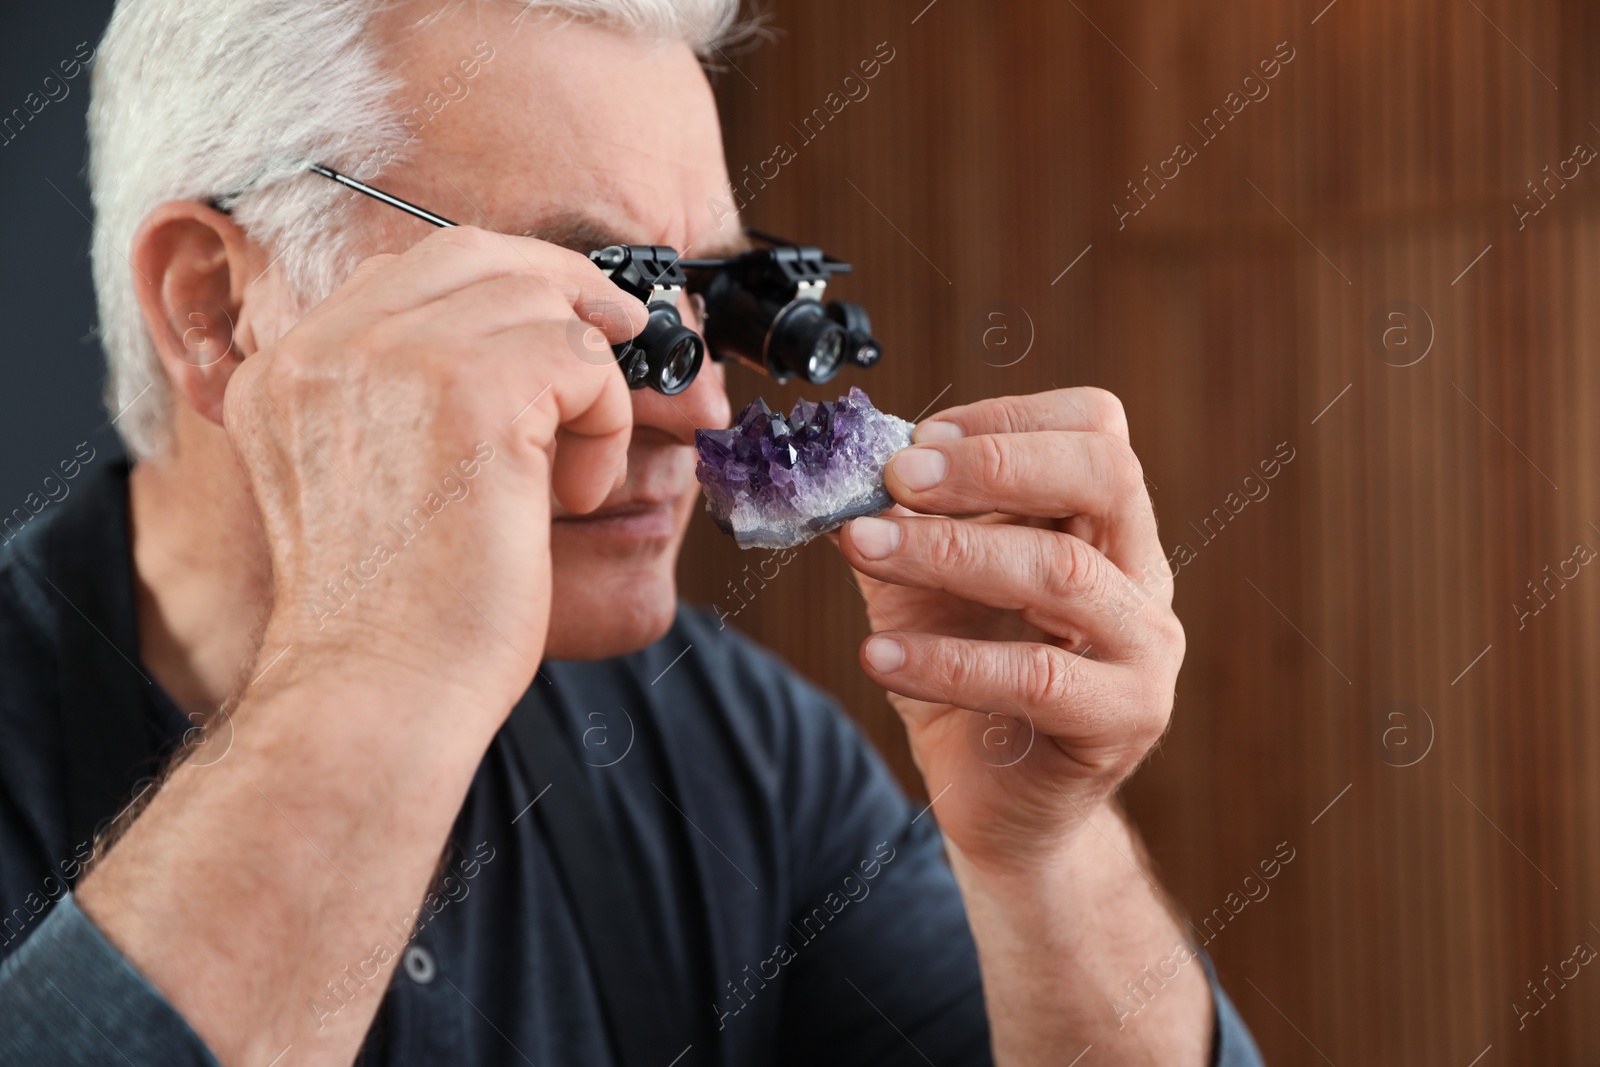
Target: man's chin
598,611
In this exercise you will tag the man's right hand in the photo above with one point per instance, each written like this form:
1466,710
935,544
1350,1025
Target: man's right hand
379,401
323,826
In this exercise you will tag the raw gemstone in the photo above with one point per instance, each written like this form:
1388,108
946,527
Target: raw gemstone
776,482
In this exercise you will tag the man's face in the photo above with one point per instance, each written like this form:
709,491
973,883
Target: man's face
585,137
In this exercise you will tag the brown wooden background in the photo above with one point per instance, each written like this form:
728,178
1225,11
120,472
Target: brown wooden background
1229,314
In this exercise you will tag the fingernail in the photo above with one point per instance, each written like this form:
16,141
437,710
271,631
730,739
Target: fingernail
885,654
920,468
875,538
935,430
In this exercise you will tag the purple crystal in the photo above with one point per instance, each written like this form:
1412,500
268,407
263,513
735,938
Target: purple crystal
775,482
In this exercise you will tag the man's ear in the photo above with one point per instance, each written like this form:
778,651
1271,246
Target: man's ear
192,265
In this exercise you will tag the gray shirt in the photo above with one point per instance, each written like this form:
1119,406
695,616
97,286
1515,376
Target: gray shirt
803,907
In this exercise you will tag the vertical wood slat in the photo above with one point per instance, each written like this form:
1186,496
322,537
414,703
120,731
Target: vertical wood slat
1395,544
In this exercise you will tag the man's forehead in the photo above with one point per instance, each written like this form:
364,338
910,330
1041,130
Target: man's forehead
540,141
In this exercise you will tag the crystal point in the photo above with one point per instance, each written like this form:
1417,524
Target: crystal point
776,482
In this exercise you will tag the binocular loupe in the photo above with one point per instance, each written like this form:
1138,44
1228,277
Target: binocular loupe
763,307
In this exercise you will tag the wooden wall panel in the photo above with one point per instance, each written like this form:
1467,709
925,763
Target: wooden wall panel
1236,312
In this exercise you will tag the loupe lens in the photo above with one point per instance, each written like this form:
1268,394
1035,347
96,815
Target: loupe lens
683,362
805,341
665,356
824,362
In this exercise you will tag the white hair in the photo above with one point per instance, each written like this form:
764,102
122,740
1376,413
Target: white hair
228,101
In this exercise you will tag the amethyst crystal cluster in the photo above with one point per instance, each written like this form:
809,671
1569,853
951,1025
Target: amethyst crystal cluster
775,482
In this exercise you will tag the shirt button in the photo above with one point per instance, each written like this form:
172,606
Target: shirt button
419,964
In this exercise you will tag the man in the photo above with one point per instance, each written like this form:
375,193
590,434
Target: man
343,863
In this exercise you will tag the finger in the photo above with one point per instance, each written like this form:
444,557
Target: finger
455,257
588,405
1064,695
1054,475
1085,409
1059,583
588,467
509,301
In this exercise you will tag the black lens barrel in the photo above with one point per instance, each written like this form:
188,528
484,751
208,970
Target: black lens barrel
805,341
861,348
765,309
666,355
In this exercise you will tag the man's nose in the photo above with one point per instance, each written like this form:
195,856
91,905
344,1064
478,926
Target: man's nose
702,406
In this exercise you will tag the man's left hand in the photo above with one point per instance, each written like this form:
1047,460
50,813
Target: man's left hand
1021,608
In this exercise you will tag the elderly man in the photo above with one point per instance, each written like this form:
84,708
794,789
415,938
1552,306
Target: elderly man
379,508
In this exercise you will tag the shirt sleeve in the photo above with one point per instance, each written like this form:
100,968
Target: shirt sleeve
67,996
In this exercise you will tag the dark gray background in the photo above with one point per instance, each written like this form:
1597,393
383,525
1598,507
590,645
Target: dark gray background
53,368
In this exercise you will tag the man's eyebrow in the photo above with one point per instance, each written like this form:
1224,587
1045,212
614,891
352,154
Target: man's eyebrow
585,233
723,249
579,232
